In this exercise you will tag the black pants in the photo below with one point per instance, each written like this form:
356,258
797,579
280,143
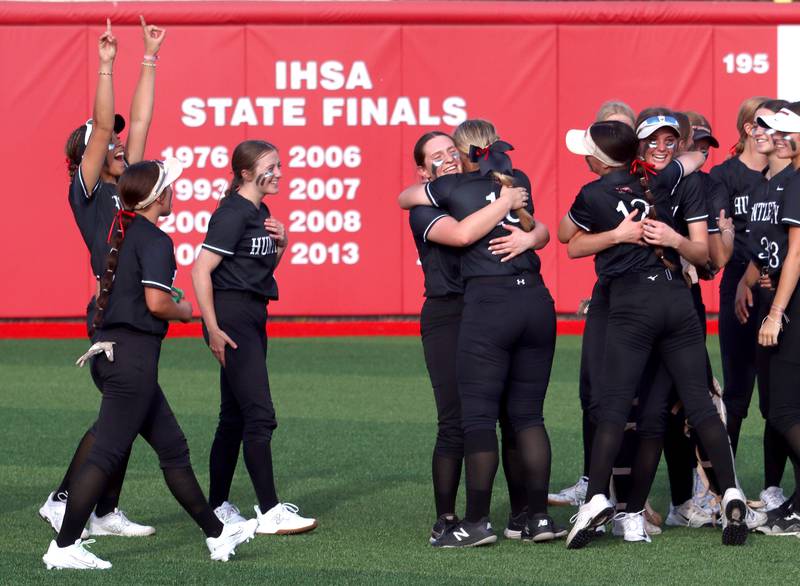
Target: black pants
593,346
246,412
653,314
505,347
737,344
782,362
134,404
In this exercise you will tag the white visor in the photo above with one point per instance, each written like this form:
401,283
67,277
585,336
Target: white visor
784,121
580,142
168,171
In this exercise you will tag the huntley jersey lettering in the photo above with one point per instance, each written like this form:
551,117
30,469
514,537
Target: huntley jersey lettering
740,203
765,212
262,246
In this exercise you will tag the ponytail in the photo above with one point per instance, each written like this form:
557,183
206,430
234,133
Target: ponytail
640,169
116,240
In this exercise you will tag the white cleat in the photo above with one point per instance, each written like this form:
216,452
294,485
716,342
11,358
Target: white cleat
223,547
689,514
598,511
572,495
755,519
229,513
117,523
282,519
75,557
631,526
734,525
772,497
53,512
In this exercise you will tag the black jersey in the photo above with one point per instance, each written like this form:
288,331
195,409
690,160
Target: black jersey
463,194
698,187
94,212
740,183
145,260
441,265
249,256
773,209
602,205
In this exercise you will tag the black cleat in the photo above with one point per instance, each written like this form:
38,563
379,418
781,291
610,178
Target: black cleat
443,524
468,535
541,528
516,525
788,525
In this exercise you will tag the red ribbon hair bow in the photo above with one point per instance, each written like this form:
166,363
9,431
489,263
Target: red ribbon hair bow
644,166
118,220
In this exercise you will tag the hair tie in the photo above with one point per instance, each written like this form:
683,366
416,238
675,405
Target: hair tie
732,150
644,166
492,157
118,220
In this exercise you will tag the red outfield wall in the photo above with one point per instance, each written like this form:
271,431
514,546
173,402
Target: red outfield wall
345,89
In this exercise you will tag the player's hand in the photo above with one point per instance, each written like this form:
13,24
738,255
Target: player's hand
185,308
517,242
217,340
770,328
630,231
517,196
765,282
153,37
743,303
724,222
659,234
107,45
277,232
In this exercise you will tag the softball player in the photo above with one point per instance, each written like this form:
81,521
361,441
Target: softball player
649,307
233,281
738,339
775,243
133,309
96,158
435,236
506,341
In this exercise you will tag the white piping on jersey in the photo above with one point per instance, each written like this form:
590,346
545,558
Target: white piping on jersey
436,219
697,218
577,223
86,193
671,193
430,195
215,249
157,284
790,221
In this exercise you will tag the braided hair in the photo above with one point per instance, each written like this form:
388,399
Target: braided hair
135,185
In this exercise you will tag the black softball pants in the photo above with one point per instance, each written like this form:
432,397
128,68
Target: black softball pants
246,414
440,321
133,404
654,311
505,353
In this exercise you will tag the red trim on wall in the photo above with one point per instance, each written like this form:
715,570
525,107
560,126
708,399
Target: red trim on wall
77,330
400,12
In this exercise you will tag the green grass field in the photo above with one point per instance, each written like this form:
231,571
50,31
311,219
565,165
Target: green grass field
356,427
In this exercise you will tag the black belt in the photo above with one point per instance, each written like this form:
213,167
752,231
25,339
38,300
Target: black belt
520,280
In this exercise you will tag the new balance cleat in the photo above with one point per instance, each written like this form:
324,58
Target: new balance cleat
572,495
689,514
443,524
73,557
52,511
468,535
540,528
117,523
282,519
229,513
233,534
598,511
734,519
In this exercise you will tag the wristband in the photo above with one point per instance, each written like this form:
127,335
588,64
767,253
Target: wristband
151,58
177,294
